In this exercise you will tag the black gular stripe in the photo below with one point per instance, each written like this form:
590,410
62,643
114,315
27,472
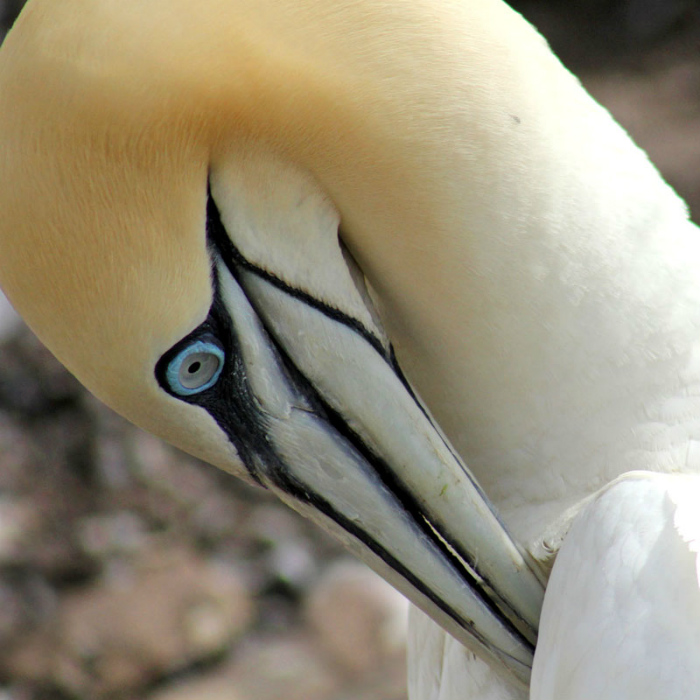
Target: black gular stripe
276,471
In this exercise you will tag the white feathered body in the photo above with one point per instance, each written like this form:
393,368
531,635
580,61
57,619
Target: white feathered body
564,353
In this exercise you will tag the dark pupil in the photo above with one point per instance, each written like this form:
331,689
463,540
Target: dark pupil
194,367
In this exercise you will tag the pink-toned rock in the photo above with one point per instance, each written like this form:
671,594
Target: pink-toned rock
19,523
170,610
360,619
116,533
213,686
280,668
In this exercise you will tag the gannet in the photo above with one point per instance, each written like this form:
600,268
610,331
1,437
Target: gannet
389,260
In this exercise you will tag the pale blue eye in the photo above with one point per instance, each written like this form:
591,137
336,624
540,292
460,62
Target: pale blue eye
196,368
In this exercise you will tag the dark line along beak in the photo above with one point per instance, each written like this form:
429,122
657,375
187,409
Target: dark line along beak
320,413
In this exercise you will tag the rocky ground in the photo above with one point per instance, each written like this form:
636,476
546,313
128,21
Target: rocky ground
129,570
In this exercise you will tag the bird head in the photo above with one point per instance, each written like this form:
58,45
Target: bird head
194,197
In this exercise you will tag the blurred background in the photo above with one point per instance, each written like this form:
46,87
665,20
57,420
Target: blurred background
129,570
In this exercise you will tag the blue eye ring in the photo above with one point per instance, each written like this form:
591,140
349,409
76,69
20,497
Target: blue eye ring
195,368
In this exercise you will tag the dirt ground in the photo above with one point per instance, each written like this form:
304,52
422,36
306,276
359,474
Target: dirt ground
129,570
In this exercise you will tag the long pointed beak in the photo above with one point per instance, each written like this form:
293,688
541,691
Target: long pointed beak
339,434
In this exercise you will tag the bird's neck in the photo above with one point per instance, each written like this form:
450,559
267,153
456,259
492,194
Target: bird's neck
540,282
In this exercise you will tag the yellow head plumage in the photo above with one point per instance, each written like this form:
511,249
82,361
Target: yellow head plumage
113,114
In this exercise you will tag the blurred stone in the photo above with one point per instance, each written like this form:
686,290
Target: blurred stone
646,19
16,455
10,693
215,686
285,556
155,614
11,617
292,563
19,522
30,660
268,669
85,493
32,383
274,524
172,610
27,603
113,461
215,517
122,532
360,619
287,667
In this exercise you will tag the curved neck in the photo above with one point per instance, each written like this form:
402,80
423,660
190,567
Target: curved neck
539,281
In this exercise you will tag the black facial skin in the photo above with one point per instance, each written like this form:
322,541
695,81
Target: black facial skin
232,404
230,400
